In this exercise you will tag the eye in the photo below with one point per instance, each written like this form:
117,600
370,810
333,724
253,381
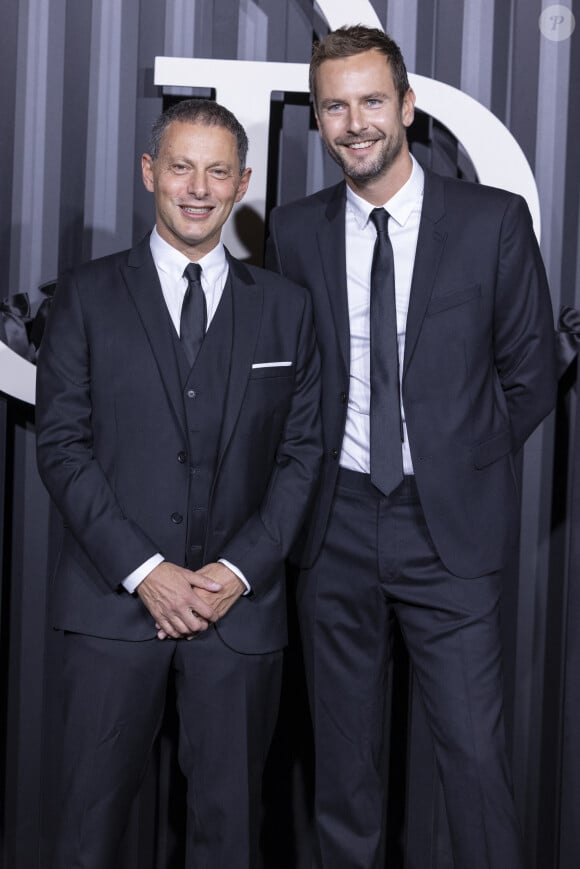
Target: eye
333,108
221,173
179,168
373,102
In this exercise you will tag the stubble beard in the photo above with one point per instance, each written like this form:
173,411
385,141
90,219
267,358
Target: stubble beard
365,172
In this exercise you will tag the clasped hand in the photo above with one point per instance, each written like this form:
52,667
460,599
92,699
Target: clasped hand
185,602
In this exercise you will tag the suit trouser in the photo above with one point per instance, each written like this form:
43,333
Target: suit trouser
378,562
114,698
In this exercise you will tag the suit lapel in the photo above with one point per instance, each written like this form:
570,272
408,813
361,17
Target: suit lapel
430,245
332,245
247,300
142,281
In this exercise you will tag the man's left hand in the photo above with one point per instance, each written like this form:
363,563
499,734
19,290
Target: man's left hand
232,588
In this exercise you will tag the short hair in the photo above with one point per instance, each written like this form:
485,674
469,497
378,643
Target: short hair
347,41
199,111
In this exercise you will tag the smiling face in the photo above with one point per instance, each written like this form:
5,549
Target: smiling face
196,181
363,124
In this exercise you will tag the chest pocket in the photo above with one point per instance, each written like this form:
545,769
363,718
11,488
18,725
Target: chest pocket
453,299
272,371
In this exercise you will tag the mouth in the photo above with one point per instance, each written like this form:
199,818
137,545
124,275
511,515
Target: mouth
361,146
365,145
196,210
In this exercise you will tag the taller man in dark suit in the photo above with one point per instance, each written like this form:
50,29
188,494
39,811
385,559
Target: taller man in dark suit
435,329
178,434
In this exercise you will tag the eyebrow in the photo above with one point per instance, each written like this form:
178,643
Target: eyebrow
222,164
329,101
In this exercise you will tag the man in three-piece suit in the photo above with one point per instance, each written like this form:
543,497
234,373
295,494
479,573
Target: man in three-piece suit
178,434
435,330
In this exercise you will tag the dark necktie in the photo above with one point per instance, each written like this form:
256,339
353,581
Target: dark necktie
193,313
386,425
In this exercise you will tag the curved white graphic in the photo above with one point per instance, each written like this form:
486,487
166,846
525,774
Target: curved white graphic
17,375
483,136
339,13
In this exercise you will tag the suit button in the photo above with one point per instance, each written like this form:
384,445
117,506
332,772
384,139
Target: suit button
191,393
182,457
176,518
343,397
334,453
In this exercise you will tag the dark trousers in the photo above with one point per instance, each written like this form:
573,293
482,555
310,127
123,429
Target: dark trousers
378,563
114,699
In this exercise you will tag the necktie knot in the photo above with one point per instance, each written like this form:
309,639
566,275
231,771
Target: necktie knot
193,272
380,218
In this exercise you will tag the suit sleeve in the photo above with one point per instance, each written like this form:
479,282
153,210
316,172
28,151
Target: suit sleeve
524,342
65,444
265,539
272,253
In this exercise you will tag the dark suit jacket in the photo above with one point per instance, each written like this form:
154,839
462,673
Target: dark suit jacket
478,372
110,425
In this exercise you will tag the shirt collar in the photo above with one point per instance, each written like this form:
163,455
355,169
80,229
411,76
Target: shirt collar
172,262
400,206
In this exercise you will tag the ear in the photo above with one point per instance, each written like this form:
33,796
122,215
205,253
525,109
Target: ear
243,185
147,172
408,108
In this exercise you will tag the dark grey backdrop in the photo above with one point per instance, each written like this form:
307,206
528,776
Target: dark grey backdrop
77,98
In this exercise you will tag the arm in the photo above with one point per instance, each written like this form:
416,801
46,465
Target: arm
75,480
524,346
66,459
272,254
264,540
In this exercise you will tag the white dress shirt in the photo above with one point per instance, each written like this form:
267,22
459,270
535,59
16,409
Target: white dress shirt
170,264
405,210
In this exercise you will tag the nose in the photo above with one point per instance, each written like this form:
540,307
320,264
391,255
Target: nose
197,184
356,119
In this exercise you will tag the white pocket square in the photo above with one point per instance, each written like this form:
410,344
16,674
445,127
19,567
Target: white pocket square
271,364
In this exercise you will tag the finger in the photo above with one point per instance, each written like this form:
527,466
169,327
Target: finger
201,609
202,580
195,621
174,626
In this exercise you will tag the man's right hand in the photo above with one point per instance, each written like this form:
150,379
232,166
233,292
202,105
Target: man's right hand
169,593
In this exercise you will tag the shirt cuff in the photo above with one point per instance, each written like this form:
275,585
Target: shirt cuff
238,573
137,576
